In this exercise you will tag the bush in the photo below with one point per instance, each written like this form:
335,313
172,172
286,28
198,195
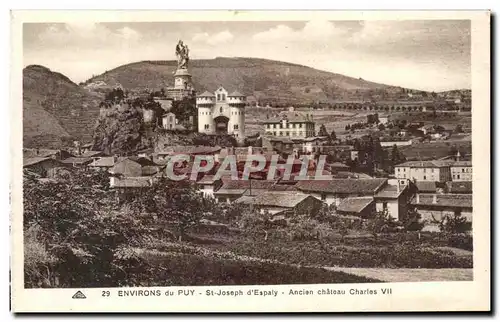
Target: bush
462,241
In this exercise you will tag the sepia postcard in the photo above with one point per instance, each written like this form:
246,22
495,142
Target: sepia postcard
250,161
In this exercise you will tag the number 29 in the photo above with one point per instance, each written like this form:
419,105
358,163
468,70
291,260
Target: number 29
105,293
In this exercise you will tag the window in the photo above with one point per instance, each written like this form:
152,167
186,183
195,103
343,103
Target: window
220,110
235,126
323,196
384,205
223,96
218,97
458,176
404,169
207,126
424,170
425,177
432,170
399,169
463,170
274,133
281,133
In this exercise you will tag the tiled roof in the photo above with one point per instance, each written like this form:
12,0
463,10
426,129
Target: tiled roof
352,175
356,204
31,161
247,184
337,165
77,160
41,153
342,186
149,170
444,200
291,117
104,162
462,164
90,154
236,94
189,149
206,94
223,191
285,199
426,186
459,186
427,164
284,187
390,192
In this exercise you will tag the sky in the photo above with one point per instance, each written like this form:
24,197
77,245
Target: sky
433,55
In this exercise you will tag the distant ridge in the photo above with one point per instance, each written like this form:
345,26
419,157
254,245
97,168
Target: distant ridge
55,110
262,79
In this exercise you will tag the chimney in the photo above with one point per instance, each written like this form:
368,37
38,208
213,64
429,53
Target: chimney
250,150
434,199
458,155
418,198
398,189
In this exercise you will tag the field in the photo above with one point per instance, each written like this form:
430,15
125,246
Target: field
435,150
395,258
332,119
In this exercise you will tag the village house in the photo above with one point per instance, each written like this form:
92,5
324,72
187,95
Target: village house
436,170
104,162
362,207
462,187
336,167
294,125
134,167
461,171
208,185
191,150
44,167
170,122
233,189
77,161
427,186
394,199
283,202
335,190
46,153
434,207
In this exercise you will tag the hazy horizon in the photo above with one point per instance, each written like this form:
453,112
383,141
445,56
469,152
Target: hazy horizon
431,55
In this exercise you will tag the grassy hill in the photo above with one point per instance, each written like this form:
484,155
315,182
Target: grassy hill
260,79
55,109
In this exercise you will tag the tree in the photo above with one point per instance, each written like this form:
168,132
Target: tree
381,127
184,109
413,221
322,131
74,218
176,203
333,136
396,156
455,223
381,223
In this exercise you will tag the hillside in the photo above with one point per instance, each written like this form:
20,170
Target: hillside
55,110
261,79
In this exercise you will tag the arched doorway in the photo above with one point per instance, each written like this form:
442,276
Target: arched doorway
221,124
